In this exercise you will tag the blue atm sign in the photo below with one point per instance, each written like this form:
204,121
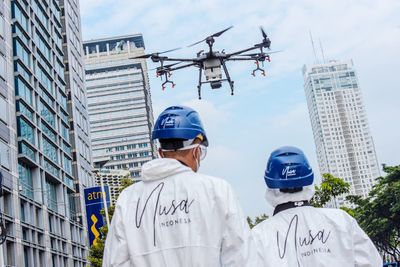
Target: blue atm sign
94,199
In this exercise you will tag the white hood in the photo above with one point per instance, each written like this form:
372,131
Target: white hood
275,197
162,168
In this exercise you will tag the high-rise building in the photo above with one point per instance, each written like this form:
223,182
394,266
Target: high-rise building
41,202
79,132
342,136
120,110
112,178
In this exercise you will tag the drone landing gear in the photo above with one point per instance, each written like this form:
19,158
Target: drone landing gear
258,69
228,77
164,84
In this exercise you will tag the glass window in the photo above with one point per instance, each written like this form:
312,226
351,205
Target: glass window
21,52
51,195
50,168
27,151
2,66
24,110
25,130
4,155
23,71
44,79
67,165
47,114
23,90
49,150
49,132
3,110
25,180
20,17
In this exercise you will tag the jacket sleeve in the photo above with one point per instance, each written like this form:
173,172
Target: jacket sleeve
116,253
365,252
238,247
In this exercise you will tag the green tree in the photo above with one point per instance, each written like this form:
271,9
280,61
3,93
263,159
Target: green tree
97,250
379,213
256,221
330,187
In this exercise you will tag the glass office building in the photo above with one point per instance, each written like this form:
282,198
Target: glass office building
41,204
120,109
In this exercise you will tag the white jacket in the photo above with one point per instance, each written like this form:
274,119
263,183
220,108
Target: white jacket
177,217
308,236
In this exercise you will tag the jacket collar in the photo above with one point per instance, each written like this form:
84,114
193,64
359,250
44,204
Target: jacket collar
162,168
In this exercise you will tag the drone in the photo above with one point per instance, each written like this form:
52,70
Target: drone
212,63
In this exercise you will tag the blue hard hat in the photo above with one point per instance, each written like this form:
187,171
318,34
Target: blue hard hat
287,168
179,122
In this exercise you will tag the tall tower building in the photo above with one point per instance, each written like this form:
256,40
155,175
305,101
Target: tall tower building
342,136
79,132
120,110
40,202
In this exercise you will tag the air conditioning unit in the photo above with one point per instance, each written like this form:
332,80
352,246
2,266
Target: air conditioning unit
20,188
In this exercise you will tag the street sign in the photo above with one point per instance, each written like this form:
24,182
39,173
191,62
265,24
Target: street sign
94,199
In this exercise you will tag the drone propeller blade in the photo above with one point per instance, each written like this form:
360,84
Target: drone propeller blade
264,34
259,54
221,32
170,50
217,34
142,56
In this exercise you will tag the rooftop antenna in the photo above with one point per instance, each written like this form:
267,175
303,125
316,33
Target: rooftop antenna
313,46
322,51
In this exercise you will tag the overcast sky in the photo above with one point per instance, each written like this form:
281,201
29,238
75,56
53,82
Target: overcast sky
265,112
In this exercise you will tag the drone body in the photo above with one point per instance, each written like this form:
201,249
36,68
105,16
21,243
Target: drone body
212,63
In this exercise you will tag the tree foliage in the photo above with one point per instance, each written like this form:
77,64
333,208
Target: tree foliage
97,250
379,213
256,221
330,187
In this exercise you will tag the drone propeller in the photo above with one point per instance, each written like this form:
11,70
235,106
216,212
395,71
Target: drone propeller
156,54
217,34
259,54
264,34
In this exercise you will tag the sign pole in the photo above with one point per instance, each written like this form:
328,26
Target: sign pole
104,200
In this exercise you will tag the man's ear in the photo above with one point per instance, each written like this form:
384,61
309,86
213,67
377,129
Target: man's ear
160,152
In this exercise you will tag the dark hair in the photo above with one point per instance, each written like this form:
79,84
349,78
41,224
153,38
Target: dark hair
171,144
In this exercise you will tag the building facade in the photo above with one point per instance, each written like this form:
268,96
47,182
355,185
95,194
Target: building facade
120,109
79,133
112,178
343,140
41,203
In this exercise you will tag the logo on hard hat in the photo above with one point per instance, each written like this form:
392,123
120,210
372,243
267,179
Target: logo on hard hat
288,172
168,122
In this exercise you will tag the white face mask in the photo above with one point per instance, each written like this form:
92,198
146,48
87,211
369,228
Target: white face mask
203,153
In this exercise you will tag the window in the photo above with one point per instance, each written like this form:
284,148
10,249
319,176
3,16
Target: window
25,130
24,110
47,114
4,155
51,195
20,16
67,165
2,65
3,110
23,90
50,150
25,180
21,52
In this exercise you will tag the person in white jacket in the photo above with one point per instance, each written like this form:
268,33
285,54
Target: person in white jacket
299,234
177,216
